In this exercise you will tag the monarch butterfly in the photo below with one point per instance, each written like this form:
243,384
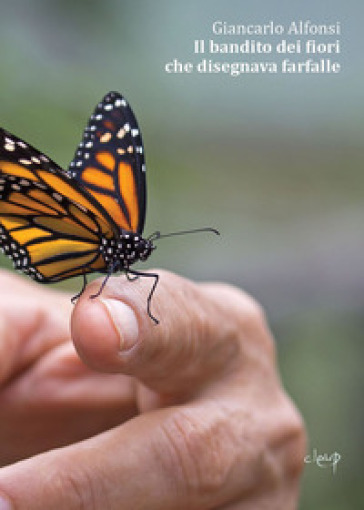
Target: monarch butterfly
56,224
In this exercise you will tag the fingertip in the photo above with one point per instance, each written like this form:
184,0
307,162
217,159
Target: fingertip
94,335
124,321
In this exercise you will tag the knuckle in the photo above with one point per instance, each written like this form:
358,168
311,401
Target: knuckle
295,448
250,313
288,439
255,328
199,453
245,323
237,306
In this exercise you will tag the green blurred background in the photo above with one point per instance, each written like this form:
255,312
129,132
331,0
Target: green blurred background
274,162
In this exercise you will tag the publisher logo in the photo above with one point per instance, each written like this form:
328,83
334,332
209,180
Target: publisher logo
323,460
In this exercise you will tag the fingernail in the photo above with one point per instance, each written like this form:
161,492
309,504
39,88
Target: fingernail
125,323
5,504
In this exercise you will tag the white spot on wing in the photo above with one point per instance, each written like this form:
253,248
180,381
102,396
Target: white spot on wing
106,137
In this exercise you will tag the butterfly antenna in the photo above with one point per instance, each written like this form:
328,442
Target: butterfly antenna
157,235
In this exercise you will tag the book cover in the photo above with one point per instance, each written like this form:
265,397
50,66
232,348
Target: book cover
252,122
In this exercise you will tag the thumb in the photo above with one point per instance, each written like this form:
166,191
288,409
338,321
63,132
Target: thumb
196,339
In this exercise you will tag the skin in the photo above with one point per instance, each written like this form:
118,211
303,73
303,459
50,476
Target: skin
191,415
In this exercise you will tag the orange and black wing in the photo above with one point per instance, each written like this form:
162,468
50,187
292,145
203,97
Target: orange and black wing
51,229
109,162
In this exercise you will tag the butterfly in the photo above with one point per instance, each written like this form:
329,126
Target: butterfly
56,224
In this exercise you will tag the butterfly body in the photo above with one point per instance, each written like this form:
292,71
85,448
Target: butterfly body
123,252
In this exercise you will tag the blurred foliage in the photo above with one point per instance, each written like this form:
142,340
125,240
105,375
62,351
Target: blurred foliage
274,163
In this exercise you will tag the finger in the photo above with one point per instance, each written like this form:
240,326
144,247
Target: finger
172,458
196,340
61,401
31,323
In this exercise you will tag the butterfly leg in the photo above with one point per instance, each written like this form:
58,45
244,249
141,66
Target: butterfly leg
93,296
79,294
111,270
155,283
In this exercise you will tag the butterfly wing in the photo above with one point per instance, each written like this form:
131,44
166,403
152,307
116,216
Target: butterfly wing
109,162
51,229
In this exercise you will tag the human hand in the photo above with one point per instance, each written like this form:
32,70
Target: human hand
199,417
48,396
